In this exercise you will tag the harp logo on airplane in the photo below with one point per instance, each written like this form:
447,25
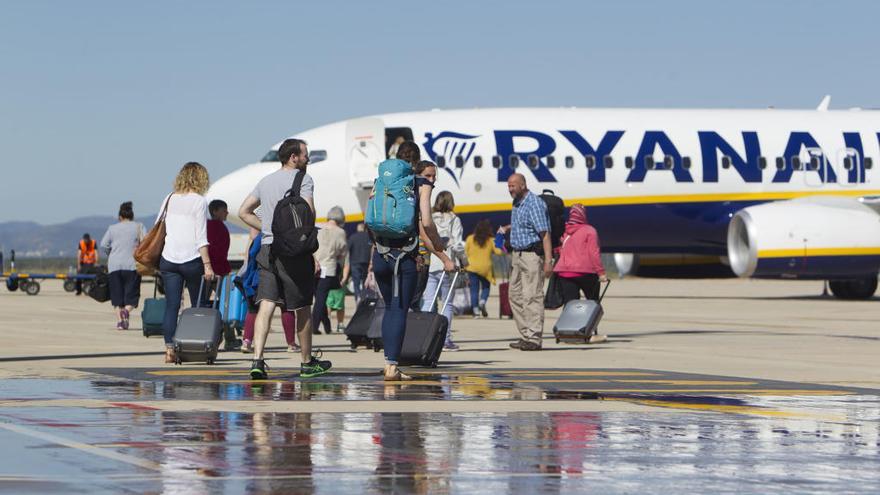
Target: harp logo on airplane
454,148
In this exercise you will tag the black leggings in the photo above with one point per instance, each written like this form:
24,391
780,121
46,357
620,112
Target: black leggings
572,287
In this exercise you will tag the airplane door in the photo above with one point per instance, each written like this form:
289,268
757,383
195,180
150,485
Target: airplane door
365,148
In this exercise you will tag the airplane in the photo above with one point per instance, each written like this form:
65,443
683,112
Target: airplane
763,193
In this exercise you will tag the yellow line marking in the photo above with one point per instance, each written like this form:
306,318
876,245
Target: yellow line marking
83,447
450,373
804,252
755,411
688,382
745,391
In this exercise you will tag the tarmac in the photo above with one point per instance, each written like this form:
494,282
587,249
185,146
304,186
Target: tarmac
703,385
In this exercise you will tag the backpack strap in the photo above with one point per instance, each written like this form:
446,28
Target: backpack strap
385,252
297,183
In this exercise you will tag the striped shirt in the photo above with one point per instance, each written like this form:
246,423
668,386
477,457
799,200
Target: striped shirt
528,220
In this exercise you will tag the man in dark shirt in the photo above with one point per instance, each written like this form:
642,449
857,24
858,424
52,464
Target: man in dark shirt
218,237
359,248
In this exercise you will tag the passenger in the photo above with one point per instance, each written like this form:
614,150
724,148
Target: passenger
185,259
427,170
359,247
530,239
450,231
86,259
479,248
580,266
383,266
332,251
119,243
289,283
218,237
248,279
392,152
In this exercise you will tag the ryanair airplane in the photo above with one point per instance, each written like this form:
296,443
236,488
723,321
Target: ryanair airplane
676,193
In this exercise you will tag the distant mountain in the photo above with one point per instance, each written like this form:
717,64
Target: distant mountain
31,240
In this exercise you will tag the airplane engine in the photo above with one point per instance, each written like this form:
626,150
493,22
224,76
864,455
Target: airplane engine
821,238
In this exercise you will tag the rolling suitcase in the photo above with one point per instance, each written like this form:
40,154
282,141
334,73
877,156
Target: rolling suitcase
365,327
153,313
504,310
232,304
198,333
579,319
426,334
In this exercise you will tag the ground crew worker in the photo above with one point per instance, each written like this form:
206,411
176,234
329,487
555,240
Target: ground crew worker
86,259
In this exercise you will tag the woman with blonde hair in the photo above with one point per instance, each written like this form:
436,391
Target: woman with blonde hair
185,257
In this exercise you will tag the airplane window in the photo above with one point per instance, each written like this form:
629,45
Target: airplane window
686,162
591,161
569,162
629,162
459,161
762,162
551,161
649,162
441,161
478,162
608,161
316,156
725,162
814,163
533,161
271,156
668,162
496,161
869,162
847,162
514,161
796,162
780,163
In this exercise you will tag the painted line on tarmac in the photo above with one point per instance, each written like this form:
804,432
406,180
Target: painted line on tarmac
82,447
732,409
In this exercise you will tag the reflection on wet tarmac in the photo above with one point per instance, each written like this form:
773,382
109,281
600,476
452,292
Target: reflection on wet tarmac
678,450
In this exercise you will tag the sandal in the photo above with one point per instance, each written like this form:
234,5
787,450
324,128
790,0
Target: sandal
397,376
170,355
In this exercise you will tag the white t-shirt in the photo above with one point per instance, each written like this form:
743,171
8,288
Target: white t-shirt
186,226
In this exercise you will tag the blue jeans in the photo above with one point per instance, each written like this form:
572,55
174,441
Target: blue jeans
479,290
174,277
396,307
428,297
358,277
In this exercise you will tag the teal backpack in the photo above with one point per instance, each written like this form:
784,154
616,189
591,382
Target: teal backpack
391,210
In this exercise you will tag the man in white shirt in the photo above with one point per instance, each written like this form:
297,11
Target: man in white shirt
289,283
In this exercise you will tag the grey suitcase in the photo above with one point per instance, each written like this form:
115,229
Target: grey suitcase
579,319
198,333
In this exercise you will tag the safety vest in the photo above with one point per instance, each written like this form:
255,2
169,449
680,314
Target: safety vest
88,254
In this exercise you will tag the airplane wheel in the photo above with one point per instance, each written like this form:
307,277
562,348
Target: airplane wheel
12,284
69,285
33,288
855,289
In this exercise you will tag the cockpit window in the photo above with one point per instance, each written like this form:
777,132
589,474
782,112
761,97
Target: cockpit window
316,156
271,156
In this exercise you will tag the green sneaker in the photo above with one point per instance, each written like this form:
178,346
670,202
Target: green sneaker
314,367
259,370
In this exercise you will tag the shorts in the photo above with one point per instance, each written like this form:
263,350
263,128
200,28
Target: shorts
125,288
289,282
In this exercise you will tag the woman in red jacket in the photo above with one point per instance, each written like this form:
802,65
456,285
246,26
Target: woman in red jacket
580,265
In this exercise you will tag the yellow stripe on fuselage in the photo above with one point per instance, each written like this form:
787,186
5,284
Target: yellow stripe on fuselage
801,252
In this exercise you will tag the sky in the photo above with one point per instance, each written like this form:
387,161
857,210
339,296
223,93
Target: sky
103,101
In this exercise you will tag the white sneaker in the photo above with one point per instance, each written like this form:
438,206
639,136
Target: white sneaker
598,339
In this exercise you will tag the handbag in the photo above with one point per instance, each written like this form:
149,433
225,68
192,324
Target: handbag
150,248
553,299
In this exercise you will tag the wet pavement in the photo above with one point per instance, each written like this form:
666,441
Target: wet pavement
143,431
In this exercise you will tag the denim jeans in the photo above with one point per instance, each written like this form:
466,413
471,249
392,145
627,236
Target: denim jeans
174,277
428,301
479,290
319,310
396,307
358,277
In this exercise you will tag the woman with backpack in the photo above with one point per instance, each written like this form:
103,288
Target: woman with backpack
394,259
580,266
479,248
185,260
449,229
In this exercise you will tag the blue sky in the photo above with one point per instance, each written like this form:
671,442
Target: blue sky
102,101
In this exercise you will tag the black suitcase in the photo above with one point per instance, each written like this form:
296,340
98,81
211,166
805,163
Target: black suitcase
365,327
426,334
198,333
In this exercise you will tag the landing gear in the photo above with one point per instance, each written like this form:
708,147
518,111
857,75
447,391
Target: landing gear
854,289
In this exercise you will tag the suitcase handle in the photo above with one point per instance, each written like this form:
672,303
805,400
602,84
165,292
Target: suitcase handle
449,293
607,283
199,300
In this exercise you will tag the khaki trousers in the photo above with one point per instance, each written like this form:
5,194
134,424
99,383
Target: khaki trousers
527,295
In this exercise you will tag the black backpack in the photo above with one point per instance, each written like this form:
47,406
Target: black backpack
293,224
556,212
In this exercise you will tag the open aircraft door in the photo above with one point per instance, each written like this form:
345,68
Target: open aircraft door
365,149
